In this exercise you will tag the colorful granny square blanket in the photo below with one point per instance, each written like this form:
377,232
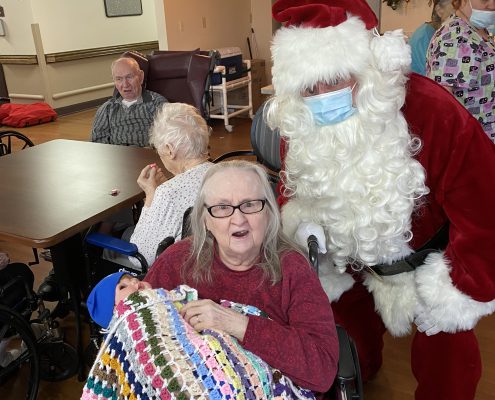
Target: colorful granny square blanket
150,352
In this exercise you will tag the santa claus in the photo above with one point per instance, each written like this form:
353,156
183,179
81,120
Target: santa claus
376,162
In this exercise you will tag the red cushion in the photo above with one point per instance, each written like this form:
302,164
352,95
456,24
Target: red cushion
22,115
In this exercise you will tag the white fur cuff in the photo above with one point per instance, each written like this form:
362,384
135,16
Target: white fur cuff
395,300
451,309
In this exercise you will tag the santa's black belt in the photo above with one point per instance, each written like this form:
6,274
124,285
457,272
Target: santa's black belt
408,264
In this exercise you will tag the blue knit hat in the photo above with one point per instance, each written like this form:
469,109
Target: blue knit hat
101,300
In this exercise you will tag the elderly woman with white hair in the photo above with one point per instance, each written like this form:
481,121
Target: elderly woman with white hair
276,307
180,136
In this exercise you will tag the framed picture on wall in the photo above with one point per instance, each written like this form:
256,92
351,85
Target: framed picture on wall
122,8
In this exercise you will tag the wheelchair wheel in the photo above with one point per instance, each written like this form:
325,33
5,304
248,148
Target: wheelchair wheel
20,378
58,360
11,141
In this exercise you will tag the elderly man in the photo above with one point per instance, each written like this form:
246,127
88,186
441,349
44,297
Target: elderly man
385,159
124,119
127,116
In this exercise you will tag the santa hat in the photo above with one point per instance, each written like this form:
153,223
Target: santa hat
101,300
327,39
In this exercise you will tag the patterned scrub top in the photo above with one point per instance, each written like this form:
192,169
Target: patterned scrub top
460,58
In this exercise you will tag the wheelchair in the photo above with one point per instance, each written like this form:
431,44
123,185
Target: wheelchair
347,384
43,353
98,268
266,144
11,141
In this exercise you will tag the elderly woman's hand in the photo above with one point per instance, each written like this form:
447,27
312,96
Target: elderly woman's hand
206,314
149,179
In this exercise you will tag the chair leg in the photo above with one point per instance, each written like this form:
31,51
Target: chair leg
36,257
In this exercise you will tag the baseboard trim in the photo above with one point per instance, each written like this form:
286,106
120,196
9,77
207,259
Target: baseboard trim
80,106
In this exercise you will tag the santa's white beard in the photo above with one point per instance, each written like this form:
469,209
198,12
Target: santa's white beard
358,180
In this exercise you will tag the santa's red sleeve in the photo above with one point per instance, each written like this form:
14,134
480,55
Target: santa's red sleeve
457,285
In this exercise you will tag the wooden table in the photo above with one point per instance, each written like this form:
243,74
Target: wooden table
52,192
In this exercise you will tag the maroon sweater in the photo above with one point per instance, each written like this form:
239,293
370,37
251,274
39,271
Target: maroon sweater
300,338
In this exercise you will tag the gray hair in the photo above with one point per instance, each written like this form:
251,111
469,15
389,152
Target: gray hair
129,60
275,242
182,127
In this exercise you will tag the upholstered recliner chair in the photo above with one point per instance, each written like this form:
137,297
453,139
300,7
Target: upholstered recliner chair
179,76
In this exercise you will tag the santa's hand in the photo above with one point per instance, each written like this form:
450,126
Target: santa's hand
305,229
424,321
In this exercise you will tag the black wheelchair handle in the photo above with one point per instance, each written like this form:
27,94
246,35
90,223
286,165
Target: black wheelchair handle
313,251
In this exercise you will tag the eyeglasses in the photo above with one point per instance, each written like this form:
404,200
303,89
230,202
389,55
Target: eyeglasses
247,207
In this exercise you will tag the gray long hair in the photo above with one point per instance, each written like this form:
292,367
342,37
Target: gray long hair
275,242
183,128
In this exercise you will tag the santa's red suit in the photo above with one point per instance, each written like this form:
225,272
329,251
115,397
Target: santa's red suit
454,170
459,283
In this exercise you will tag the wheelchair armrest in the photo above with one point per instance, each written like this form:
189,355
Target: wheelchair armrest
168,241
112,243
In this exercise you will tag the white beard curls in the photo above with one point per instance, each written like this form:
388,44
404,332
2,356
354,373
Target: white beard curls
356,178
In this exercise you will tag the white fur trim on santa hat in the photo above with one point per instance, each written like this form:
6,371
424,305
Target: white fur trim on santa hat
395,300
447,306
304,56
391,52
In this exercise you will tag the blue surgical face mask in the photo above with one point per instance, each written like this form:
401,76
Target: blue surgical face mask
331,107
481,18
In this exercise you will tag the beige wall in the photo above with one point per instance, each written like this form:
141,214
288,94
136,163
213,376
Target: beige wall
161,24
408,16
207,24
67,25
17,21
262,24
72,24
210,24
80,24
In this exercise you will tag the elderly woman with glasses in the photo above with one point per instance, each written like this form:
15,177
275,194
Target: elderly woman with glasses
278,309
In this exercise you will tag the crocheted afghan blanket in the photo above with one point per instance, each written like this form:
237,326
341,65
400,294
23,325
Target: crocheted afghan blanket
151,352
